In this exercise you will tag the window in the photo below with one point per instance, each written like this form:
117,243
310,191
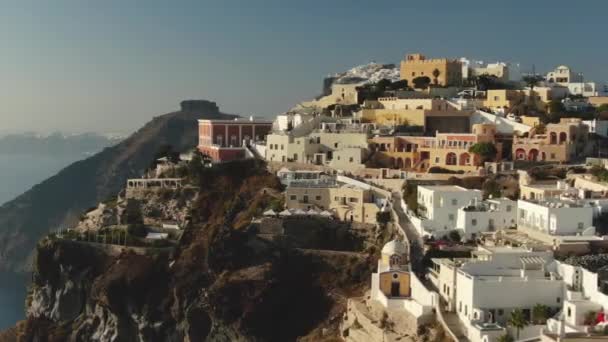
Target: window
305,199
436,159
459,306
500,312
336,145
413,73
552,155
282,147
454,201
559,300
569,312
474,222
466,311
451,217
318,198
508,208
580,226
353,200
351,159
293,197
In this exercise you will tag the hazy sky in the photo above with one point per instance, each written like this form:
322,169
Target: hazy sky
112,65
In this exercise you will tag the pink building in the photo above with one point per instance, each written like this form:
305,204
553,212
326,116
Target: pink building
226,140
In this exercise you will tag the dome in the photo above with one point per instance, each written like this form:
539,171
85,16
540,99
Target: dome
394,247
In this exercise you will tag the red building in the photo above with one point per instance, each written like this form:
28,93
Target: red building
225,140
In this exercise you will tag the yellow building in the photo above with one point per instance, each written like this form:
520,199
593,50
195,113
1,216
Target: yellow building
505,99
448,71
349,203
561,142
426,113
502,99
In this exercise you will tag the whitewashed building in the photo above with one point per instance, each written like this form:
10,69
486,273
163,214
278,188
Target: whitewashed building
439,205
485,289
486,216
555,217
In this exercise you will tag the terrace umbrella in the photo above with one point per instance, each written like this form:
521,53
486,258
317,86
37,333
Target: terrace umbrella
270,213
326,213
312,212
285,213
299,212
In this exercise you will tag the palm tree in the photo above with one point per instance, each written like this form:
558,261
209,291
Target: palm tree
517,320
540,314
532,81
436,74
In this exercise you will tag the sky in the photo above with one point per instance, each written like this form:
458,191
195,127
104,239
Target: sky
110,66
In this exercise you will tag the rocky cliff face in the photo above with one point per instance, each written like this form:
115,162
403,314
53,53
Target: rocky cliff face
221,283
61,199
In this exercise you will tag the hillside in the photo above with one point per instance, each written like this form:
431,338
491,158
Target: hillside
221,282
61,199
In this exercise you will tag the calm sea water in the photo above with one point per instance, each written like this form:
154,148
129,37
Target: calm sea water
18,173
12,299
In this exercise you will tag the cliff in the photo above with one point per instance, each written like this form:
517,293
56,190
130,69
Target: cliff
61,199
221,282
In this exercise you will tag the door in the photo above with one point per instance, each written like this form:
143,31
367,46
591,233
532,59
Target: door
395,290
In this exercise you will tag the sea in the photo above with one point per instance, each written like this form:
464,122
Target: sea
18,173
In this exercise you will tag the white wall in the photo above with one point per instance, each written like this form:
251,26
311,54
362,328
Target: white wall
554,221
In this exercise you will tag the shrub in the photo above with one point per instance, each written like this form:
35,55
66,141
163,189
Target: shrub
487,151
137,230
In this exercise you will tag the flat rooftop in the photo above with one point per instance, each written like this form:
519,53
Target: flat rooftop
446,188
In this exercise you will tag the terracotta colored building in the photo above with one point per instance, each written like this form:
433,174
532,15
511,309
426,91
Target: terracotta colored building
226,140
446,150
560,143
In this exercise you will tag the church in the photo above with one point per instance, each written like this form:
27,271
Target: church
395,287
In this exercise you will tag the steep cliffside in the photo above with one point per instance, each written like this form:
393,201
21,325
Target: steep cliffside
221,283
61,199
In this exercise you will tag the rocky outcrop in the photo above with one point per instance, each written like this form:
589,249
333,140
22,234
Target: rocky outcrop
60,200
221,283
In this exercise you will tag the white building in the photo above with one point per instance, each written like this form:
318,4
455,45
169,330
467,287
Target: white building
395,287
487,216
439,206
485,289
586,292
314,177
574,81
599,127
555,217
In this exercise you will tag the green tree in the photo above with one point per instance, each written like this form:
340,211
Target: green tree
399,85
487,151
383,84
383,217
421,82
602,108
195,167
491,188
517,320
410,194
540,314
505,338
454,235
436,74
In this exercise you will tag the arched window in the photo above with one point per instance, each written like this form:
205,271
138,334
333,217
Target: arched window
394,260
450,158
